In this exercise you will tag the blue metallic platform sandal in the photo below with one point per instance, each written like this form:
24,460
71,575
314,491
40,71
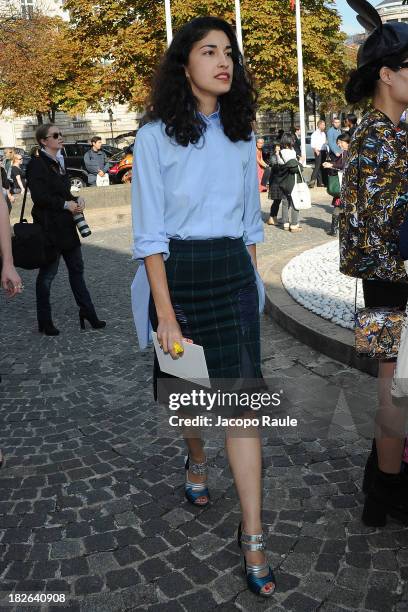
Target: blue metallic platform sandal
255,582
194,490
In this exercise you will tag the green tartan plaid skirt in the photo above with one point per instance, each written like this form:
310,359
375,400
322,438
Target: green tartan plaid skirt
214,295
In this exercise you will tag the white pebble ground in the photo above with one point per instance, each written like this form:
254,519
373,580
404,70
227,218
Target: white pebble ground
313,279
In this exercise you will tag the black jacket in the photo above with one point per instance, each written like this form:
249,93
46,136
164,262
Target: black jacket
49,191
287,174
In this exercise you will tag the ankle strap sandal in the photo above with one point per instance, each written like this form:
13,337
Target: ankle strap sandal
193,490
256,577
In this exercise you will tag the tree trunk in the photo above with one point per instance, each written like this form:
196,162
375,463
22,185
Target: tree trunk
51,115
292,120
314,109
39,118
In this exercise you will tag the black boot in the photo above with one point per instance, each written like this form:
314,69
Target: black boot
386,497
48,328
92,319
370,469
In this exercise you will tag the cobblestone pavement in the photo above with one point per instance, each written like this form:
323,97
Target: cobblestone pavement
91,500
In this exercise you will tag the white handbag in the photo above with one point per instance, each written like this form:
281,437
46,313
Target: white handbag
102,181
301,194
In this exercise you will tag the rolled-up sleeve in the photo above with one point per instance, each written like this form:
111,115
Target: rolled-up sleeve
253,227
149,235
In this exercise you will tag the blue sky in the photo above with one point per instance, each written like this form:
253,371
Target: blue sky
350,24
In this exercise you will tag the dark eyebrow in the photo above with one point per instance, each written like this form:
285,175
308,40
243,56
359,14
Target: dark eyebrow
215,46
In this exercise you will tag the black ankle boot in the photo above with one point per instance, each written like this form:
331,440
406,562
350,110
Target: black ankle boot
48,328
92,319
370,469
386,497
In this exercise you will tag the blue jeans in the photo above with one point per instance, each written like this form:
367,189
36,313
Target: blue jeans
75,264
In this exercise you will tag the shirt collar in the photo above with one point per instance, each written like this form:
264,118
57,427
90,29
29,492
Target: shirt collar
213,118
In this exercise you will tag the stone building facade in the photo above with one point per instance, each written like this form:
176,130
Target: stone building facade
392,10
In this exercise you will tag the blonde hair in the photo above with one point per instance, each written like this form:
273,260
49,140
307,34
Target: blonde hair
16,157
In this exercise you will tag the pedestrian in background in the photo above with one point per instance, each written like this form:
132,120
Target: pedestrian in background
8,160
16,175
318,143
196,222
54,209
288,174
297,141
10,279
374,178
275,192
351,121
338,165
332,134
261,163
96,161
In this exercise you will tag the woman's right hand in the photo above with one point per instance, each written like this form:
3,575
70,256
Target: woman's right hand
169,332
74,208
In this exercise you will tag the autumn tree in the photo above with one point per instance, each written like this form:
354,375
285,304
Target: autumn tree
130,35
42,68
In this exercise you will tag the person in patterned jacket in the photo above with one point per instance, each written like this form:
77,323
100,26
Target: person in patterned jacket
375,176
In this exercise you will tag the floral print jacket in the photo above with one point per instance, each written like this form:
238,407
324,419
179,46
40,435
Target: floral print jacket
375,177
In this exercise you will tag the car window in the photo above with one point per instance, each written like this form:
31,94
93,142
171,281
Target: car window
83,148
71,150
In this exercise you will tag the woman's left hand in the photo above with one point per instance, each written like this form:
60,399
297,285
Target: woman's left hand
11,281
81,202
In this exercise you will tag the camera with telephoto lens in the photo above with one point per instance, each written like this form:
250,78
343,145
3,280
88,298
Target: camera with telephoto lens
82,225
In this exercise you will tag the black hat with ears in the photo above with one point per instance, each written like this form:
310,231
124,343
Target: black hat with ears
384,40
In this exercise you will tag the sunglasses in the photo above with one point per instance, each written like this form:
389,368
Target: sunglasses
403,65
54,135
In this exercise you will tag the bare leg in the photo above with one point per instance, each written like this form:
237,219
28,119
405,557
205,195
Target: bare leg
390,423
245,459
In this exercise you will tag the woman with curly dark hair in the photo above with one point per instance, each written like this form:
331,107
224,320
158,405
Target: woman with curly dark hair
196,222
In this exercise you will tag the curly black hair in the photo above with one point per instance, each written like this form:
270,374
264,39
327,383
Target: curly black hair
172,99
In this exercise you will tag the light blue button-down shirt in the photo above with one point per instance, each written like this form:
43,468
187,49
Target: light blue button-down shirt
202,191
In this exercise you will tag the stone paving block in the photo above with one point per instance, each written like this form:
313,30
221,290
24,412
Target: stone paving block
226,587
74,567
205,545
385,560
103,602
298,564
346,597
88,584
317,586
380,600
121,578
177,517
101,563
65,550
45,569
202,599
298,601
174,585
387,581
153,568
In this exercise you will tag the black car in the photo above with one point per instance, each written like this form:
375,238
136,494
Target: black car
74,161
